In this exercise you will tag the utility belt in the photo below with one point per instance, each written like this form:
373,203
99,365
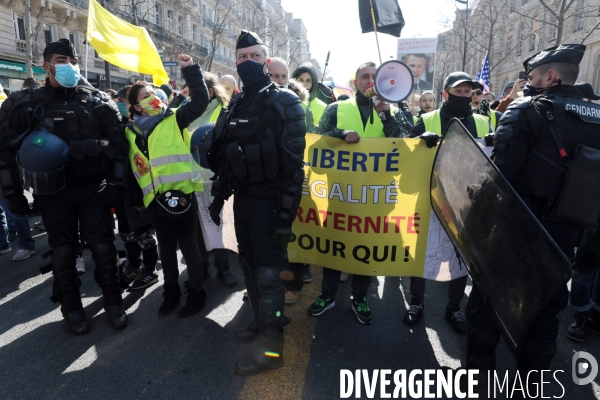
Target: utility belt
90,157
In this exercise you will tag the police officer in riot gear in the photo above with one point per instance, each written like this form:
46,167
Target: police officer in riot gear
536,138
257,153
89,123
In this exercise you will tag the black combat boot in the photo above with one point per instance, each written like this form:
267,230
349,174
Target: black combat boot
66,290
267,354
593,321
172,295
576,331
193,304
112,300
267,350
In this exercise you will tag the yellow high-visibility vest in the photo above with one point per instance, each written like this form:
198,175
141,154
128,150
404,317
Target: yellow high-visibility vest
169,167
348,118
215,115
317,107
433,123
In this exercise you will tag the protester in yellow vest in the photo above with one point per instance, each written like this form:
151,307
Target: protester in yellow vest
481,106
306,74
458,88
358,116
218,99
159,154
350,120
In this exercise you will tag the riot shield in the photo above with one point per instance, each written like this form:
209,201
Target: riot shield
514,262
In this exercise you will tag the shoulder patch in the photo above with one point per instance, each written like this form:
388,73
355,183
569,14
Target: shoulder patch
586,110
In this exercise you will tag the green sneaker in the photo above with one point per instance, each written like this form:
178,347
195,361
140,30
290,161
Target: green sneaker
320,305
362,311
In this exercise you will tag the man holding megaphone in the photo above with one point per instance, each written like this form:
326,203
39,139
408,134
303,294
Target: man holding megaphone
365,115
458,89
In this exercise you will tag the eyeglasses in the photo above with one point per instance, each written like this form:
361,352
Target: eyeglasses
478,92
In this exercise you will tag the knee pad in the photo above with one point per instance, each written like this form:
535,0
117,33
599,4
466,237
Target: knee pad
146,240
269,280
64,257
104,254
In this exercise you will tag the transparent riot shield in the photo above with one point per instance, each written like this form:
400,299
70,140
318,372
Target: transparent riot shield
511,258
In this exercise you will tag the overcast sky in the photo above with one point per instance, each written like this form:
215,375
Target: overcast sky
334,25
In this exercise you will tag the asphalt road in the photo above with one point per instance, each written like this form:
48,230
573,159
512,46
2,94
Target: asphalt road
171,358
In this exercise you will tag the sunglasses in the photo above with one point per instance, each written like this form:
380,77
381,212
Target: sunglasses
477,92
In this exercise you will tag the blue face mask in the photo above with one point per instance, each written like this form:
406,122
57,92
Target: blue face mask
123,108
67,75
251,72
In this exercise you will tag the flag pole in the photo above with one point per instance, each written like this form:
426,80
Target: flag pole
87,51
375,30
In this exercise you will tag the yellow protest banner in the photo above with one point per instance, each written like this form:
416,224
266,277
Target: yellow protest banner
366,210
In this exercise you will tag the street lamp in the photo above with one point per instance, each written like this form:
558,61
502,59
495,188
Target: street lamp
466,3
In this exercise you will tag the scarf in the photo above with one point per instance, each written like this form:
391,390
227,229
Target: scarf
147,123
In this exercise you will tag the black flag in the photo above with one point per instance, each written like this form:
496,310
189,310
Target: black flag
387,15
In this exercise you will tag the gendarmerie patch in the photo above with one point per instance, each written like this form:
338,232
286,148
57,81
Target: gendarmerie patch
586,110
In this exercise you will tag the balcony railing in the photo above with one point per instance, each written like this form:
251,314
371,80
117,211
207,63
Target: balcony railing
78,3
223,60
21,46
163,34
99,64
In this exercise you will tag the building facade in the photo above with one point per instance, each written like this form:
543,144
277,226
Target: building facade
515,30
205,29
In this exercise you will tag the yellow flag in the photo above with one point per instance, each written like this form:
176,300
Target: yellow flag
124,45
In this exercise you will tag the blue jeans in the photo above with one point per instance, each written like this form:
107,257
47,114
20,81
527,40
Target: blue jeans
3,231
21,225
585,291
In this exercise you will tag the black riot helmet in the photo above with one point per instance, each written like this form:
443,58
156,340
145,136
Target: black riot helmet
42,160
201,143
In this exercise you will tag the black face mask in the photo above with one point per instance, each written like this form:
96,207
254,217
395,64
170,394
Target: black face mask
459,105
251,72
529,90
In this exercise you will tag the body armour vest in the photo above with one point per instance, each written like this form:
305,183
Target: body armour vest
252,144
168,165
577,122
76,124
